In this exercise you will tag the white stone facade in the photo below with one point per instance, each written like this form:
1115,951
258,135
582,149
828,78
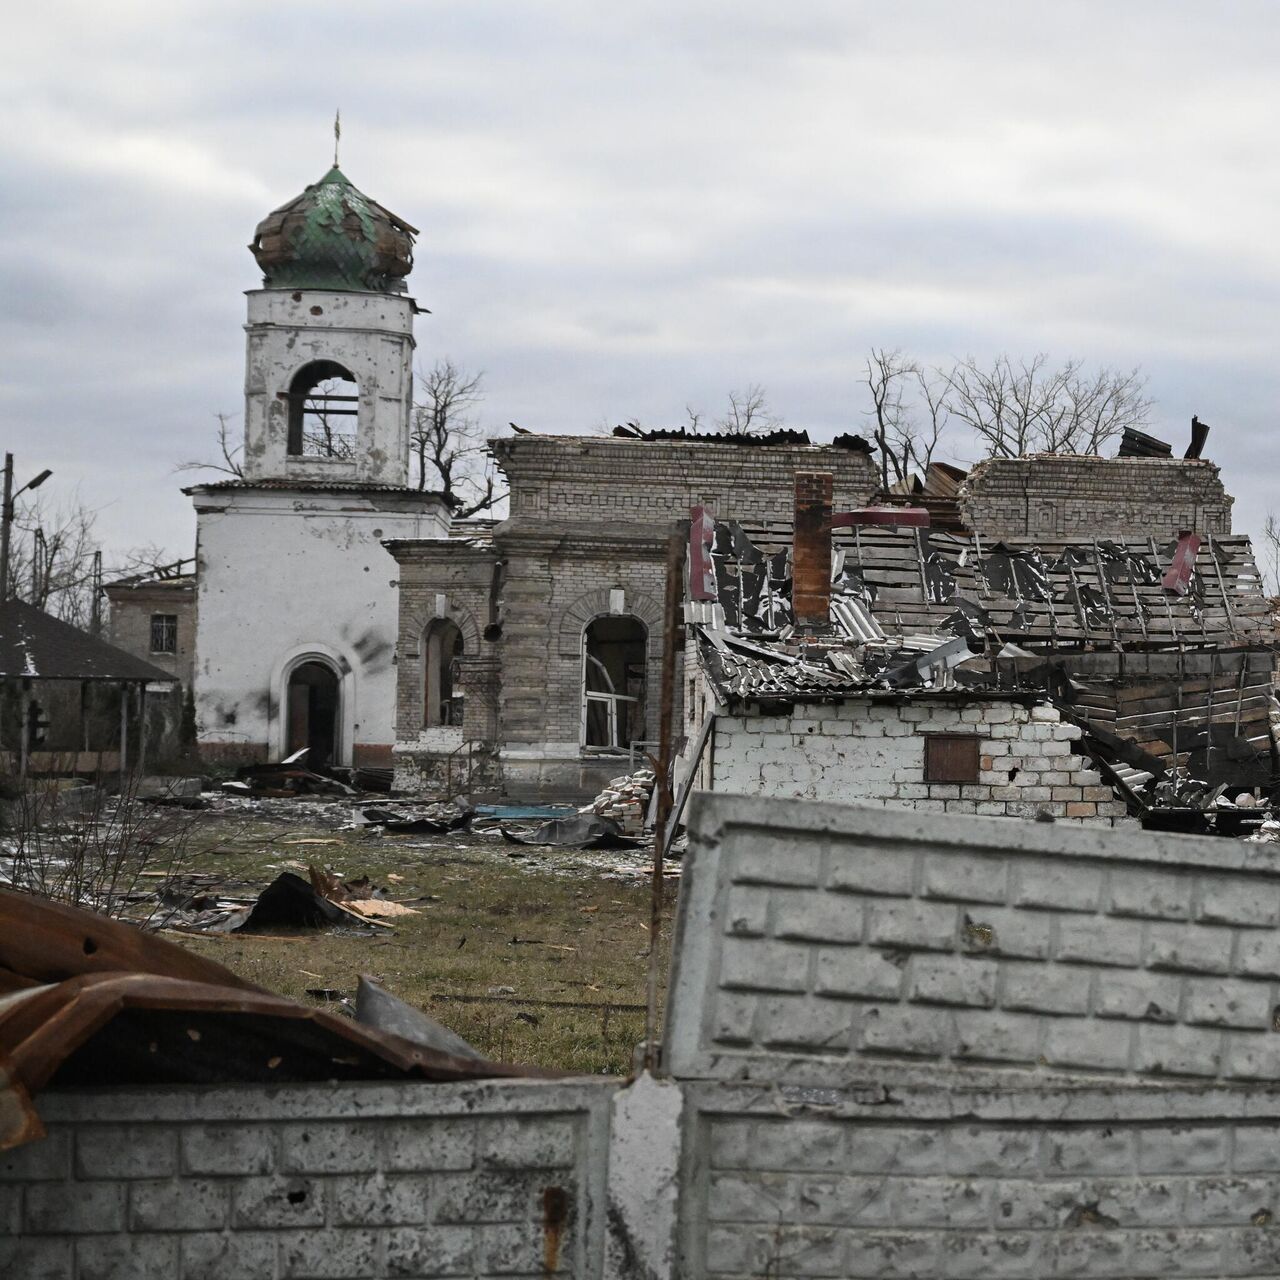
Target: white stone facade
290,576
865,752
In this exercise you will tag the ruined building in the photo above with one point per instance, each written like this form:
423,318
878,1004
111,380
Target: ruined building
528,651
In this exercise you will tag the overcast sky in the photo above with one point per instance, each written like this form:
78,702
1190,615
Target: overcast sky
627,209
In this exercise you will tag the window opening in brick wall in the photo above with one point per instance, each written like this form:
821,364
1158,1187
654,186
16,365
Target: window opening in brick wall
951,757
442,650
164,633
323,399
614,676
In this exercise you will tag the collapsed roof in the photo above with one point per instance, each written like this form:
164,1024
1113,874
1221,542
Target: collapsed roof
1162,651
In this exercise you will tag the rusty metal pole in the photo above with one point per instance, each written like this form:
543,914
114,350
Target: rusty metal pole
671,623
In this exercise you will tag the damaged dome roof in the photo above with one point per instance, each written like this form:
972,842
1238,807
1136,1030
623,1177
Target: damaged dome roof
333,236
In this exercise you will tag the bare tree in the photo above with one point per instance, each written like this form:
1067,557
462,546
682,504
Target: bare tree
230,459
748,413
52,557
1270,555
1032,407
447,443
909,409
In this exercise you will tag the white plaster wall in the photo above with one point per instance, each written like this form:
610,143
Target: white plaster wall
283,574
860,752
371,334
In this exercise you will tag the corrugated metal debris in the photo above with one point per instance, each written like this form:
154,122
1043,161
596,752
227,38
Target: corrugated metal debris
85,999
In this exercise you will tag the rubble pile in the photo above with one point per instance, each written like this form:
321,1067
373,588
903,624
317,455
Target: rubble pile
626,801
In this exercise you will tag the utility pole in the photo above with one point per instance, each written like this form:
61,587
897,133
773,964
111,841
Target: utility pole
7,512
6,517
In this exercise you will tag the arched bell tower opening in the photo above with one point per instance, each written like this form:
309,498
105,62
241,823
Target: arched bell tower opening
323,411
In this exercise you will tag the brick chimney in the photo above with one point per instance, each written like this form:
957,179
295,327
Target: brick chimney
811,553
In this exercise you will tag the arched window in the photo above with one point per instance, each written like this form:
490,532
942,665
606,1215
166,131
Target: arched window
441,698
323,399
314,700
613,682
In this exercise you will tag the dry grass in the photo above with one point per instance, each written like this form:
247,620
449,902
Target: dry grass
555,937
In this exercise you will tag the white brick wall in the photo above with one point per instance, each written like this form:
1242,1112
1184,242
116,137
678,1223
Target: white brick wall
864,752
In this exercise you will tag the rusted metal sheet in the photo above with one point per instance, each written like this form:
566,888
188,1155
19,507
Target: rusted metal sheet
899,517
1178,576
89,1000
702,574
951,757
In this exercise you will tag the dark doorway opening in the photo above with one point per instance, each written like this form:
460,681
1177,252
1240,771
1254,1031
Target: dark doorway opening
313,712
442,698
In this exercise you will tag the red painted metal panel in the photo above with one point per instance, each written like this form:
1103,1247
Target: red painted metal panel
702,574
1181,567
909,517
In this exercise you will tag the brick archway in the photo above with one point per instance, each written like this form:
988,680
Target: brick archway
593,604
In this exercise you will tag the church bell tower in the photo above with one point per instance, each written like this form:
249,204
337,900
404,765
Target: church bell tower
329,363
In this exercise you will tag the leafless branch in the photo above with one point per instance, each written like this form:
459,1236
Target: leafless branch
448,445
230,455
748,413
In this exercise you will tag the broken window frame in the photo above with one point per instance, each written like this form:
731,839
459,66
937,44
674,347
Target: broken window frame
317,413
609,701
164,633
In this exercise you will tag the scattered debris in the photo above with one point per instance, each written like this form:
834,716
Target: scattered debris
581,831
626,801
99,1002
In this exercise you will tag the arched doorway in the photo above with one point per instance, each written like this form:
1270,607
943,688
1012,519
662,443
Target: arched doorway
314,702
442,699
614,675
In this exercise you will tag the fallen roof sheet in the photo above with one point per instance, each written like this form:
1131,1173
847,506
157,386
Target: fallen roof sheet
86,999
35,646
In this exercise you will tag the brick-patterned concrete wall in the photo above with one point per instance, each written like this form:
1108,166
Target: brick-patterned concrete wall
1062,1183
865,752
648,482
1054,497
308,1181
853,935
946,1047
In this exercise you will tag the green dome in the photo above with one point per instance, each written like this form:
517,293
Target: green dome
333,236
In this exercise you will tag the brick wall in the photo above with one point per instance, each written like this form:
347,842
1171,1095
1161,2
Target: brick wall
129,624
862,752
1055,497
314,1181
606,479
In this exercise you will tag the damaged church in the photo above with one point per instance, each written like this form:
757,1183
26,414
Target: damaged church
1054,634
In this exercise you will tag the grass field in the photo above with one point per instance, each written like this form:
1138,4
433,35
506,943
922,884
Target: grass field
538,959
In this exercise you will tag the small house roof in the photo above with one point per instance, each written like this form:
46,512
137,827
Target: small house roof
35,646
